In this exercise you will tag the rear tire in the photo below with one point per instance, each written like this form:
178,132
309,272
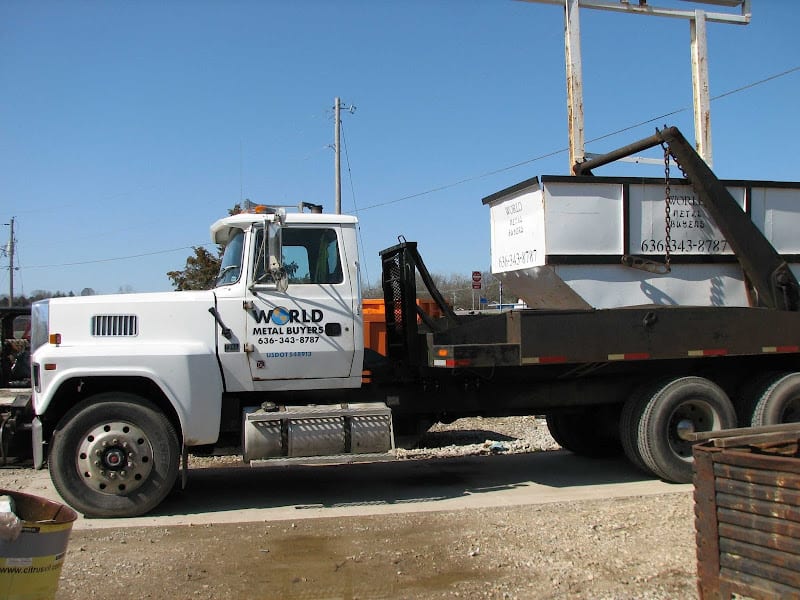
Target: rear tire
683,405
750,394
778,402
114,455
629,425
588,432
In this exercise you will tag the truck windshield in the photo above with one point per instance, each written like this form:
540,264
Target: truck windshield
231,267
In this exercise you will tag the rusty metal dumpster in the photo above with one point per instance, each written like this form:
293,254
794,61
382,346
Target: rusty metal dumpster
747,513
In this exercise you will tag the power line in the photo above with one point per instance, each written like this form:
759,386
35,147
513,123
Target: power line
466,179
353,194
105,260
657,119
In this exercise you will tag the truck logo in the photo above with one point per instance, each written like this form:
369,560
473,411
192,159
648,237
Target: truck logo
280,316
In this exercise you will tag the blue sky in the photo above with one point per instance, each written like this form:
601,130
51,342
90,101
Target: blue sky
127,128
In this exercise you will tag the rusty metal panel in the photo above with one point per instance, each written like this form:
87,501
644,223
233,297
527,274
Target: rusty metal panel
706,526
747,506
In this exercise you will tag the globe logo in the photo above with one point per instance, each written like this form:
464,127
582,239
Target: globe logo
280,315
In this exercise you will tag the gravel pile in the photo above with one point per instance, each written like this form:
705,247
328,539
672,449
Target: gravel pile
482,435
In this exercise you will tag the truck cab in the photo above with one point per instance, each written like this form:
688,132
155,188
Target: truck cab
288,301
123,385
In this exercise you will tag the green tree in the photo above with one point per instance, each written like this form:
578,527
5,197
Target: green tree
200,272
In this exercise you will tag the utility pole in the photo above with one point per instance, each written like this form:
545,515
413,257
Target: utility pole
337,131
11,265
337,151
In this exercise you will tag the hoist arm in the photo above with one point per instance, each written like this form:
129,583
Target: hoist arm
770,281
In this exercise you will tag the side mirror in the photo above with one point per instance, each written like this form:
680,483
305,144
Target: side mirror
275,257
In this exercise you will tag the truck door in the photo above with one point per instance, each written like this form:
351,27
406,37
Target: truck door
307,331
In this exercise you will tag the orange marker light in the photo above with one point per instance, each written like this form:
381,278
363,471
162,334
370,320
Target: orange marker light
55,339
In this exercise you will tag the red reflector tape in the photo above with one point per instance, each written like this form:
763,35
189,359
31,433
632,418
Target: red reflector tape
547,360
708,352
461,362
630,356
780,349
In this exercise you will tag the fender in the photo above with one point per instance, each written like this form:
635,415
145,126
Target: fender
187,373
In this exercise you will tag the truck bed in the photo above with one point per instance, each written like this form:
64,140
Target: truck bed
535,337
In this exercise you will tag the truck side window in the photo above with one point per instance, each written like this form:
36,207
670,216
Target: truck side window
312,256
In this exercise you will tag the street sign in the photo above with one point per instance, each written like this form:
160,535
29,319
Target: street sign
476,280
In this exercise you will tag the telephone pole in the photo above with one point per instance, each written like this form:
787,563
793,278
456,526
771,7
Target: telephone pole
337,124
11,243
337,160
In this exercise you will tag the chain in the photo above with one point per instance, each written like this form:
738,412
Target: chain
667,225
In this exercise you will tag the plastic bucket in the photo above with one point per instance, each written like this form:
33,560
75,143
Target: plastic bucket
30,565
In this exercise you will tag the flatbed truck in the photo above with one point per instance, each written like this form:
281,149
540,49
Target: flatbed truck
272,362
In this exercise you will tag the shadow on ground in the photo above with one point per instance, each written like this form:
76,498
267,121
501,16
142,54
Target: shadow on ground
397,482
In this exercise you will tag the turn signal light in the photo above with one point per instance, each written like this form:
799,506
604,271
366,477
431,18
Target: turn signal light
55,339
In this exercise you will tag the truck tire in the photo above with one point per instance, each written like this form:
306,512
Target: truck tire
778,401
750,393
629,425
588,432
689,404
114,455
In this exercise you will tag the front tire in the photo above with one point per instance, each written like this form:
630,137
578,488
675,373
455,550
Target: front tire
114,455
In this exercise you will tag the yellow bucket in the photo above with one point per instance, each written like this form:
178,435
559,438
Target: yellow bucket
30,566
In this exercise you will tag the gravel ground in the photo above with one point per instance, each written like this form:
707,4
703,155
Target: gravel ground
639,548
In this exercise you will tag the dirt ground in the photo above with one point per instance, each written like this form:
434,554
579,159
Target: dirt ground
635,547
639,548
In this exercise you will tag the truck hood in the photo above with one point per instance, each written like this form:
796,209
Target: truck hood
169,317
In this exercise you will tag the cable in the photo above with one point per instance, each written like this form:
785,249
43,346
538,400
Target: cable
105,260
596,139
461,181
353,193
755,83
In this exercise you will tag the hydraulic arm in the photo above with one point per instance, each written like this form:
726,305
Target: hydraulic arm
770,281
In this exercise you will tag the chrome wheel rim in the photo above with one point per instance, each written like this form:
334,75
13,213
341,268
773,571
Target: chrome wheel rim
115,458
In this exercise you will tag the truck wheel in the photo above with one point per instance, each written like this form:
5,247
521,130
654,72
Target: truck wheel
586,432
629,425
750,393
680,406
114,455
778,402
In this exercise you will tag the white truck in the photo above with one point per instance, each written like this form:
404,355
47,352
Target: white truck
272,361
